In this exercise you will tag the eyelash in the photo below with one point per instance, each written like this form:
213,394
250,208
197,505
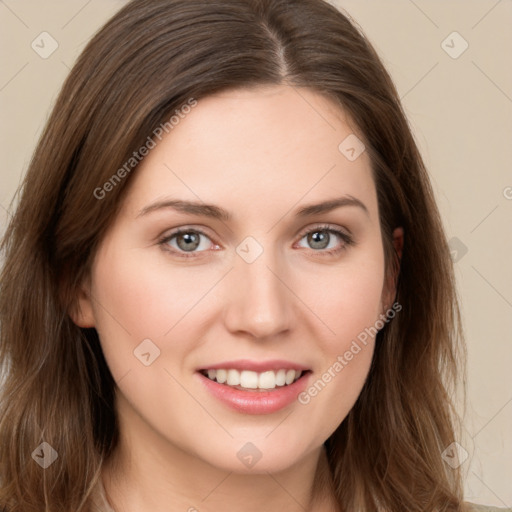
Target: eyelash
346,238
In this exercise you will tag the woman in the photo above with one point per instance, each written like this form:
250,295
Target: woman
226,283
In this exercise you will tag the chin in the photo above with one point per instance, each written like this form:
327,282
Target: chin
258,454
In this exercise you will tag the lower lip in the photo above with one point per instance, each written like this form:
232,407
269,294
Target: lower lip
256,402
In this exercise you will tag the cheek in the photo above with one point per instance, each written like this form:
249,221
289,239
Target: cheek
139,297
346,356
348,302
331,394
346,298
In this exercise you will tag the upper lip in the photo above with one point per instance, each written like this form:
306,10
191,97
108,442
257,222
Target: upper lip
256,366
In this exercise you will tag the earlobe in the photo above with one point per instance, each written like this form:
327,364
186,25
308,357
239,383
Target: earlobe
398,243
82,312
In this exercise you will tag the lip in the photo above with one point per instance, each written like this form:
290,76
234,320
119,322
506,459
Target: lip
255,402
256,366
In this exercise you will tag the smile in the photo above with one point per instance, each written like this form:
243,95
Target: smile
250,380
251,387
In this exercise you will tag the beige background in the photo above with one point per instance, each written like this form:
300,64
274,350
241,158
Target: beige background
461,112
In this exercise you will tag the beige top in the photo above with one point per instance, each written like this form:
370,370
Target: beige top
485,508
101,503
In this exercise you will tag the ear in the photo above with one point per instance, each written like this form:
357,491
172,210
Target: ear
82,312
394,270
398,243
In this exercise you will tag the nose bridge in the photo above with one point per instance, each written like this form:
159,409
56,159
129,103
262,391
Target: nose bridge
259,302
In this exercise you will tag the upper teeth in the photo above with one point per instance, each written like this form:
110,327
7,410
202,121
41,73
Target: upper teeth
253,380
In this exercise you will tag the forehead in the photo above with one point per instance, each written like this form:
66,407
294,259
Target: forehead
256,145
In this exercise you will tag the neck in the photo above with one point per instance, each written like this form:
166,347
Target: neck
157,476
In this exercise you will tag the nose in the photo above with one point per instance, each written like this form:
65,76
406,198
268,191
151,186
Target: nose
259,301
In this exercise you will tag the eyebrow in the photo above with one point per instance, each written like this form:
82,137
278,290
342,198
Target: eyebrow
216,212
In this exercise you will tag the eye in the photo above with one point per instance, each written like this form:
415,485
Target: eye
187,242
183,241
326,239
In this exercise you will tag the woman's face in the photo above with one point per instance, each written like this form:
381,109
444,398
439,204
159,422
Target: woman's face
275,283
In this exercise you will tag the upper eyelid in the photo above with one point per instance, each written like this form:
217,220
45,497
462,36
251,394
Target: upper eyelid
324,227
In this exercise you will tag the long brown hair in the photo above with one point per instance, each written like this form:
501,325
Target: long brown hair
143,65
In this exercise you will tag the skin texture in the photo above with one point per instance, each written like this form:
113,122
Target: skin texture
260,154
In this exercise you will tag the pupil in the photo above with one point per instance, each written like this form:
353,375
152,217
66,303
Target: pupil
319,239
188,241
